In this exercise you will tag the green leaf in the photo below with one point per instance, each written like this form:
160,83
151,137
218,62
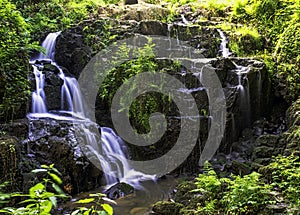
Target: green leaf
107,208
27,201
55,178
53,200
45,166
36,189
39,170
109,200
85,201
57,189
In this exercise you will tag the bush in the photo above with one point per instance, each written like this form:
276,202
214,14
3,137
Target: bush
247,195
14,49
286,176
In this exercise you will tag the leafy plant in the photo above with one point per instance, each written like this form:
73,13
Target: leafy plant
286,176
100,207
40,199
247,195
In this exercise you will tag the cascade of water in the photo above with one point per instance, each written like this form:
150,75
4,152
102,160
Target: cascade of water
244,94
223,47
71,98
113,159
38,96
49,45
184,20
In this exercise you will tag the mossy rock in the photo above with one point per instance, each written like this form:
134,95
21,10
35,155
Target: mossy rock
167,208
288,59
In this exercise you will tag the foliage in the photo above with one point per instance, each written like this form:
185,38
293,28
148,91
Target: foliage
40,199
97,199
217,7
242,195
14,48
247,195
209,185
245,41
43,197
144,105
285,173
98,36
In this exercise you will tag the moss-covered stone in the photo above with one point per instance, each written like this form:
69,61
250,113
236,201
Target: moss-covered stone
167,208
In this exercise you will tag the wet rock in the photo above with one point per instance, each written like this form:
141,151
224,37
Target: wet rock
71,51
167,208
130,1
57,142
119,190
240,168
153,28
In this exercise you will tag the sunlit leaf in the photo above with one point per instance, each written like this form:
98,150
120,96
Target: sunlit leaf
107,208
85,201
55,178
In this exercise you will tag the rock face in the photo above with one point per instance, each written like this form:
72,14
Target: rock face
71,52
130,1
50,142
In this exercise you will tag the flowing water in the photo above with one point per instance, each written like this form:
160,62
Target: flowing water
223,47
109,149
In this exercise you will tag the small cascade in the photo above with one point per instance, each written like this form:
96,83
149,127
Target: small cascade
110,150
244,93
223,47
184,20
49,45
38,96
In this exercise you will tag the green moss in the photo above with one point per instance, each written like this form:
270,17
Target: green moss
245,41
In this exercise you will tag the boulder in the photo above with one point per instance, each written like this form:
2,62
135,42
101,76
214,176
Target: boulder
71,51
130,1
119,190
167,208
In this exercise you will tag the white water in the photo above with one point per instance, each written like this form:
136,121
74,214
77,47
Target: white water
110,150
223,47
49,45
38,96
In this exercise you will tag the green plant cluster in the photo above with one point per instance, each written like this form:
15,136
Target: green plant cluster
256,193
43,197
14,49
241,195
277,37
144,105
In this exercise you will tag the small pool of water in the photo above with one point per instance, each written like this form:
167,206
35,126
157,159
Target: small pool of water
138,203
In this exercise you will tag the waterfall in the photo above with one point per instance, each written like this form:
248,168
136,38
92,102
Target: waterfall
38,96
223,47
244,93
113,158
49,45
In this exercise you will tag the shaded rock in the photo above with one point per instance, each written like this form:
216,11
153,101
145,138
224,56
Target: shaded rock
167,208
240,168
267,140
130,1
57,142
153,28
71,51
119,190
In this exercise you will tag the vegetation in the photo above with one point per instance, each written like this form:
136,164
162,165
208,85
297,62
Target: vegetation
250,194
265,29
43,197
